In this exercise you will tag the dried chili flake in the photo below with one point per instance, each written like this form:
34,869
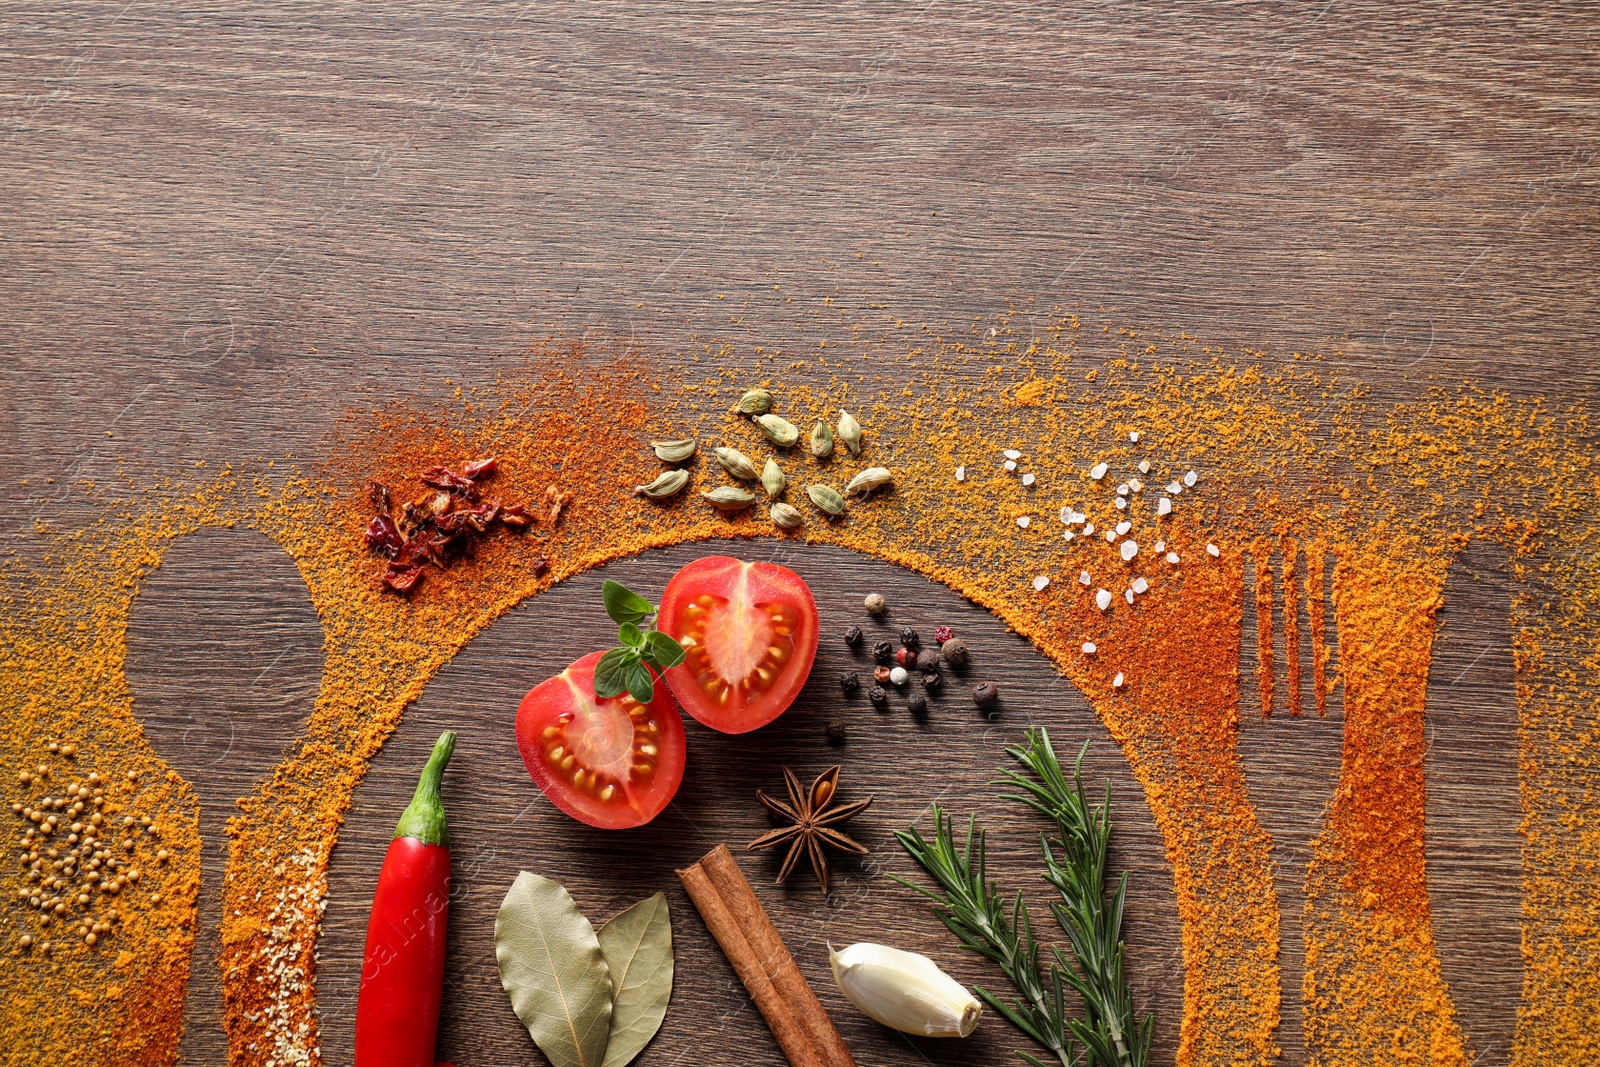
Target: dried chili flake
516,515
402,579
382,537
479,467
540,565
445,478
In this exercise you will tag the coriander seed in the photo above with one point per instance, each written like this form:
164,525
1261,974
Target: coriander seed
875,604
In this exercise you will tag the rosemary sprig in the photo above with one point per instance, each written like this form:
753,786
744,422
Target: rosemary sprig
1111,1032
972,908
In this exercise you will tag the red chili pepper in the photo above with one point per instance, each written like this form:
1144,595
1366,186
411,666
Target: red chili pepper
402,975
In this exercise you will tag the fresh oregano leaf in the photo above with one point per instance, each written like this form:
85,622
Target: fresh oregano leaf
641,683
662,651
611,673
623,604
637,944
554,971
630,635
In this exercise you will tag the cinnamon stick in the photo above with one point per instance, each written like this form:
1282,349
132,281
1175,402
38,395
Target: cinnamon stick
753,946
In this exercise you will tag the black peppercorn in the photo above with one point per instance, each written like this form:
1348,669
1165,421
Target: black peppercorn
852,636
907,658
917,704
955,652
883,652
932,680
909,638
849,682
877,695
986,695
836,734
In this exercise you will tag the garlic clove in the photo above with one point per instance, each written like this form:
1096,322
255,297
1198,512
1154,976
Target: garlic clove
905,991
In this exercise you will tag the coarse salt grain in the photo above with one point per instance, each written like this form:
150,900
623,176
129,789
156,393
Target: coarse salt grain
1136,485
1174,488
1123,527
1088,528
1012,453
1144,466
1122,490
1122,503
961,474
1213,550
1140,586
1133,435
1190,478
1129,550
1116,683
1164,506
1102,599
1161,546
1040,582
1066,516
1027,479
1111,535
1023,521
1089,648
1098,471
1172,557
1083,578
1011,464
1067,536
1077,516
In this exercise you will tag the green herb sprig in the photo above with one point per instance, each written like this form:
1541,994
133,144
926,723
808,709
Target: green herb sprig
971,906
630,667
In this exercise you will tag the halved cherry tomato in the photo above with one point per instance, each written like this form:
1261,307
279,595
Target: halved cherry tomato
611,763
750,634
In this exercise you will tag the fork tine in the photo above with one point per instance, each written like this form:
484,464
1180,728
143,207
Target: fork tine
1291,627
1316,565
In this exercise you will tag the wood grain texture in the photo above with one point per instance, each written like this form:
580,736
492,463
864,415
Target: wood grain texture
221,227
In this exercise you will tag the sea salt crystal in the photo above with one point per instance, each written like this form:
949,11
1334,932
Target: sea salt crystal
1213,550
1133,435
1098,471
1083,578
1023,521
1010,464
1136,485
1067,536
1077,517
1141,586
1161,546
1122,503
1164,506
1127,594
1088,528
1129,550
1102,599
1190,478
961,474
1027,479
1066,515
1040,582
1172,557
1144,466
1012,453
1116,683
1089,648
1174,488
1123,527
1111,535
1122,490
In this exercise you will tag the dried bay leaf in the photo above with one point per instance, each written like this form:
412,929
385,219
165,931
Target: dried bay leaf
637,944
552,967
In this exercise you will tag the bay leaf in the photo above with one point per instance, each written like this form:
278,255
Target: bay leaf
554,971
637,944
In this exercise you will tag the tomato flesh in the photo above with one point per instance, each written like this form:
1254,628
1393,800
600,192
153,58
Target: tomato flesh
749,633
612,763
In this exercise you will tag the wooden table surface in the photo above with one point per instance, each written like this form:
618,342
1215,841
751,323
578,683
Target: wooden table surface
221,226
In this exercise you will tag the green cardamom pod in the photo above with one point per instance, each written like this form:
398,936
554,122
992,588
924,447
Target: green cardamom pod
673,451
868,480
779,430
821,440
773,480
849,432
667,483
786,516
755,402
727,498
826,498
737,464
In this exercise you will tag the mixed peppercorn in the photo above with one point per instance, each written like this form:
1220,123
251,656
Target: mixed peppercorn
893,666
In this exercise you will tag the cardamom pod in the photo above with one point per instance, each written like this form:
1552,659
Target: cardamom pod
737,464
786,516
849,432
773,480
779,430
821,440
868,480
727,498
673,451
826,498
755,402
667,483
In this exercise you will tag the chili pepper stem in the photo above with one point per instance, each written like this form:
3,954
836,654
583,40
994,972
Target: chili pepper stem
424,818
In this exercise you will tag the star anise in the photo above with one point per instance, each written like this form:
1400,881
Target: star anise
812,816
